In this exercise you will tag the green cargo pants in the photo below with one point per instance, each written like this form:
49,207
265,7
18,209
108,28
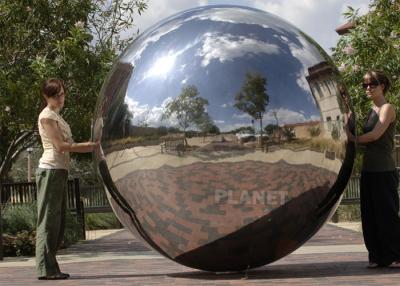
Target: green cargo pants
51,207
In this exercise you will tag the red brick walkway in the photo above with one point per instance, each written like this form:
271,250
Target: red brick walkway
295,269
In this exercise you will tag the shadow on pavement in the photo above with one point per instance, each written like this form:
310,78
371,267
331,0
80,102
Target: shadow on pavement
284,271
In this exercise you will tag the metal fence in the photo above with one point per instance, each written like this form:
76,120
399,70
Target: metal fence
22,193
80,200
352,192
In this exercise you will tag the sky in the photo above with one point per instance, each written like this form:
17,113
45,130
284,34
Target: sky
214,49
316,18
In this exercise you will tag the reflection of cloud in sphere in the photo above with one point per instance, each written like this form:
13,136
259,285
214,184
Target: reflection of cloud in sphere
221,129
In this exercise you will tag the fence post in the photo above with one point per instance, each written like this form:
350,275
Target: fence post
78,205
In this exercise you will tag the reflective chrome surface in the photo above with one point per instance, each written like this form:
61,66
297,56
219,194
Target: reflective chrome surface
222,138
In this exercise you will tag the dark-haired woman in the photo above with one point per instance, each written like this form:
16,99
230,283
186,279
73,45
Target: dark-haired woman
51,179
379,178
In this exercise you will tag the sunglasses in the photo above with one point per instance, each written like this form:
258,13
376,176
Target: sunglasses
371,84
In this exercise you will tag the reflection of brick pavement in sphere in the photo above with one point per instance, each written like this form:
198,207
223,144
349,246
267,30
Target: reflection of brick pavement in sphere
177,206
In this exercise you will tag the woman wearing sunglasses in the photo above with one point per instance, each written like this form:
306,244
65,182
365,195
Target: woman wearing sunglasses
379,178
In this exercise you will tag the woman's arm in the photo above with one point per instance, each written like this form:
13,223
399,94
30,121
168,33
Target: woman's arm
51,127
387,115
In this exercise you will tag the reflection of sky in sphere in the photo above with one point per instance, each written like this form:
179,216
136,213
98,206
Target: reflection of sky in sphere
213,49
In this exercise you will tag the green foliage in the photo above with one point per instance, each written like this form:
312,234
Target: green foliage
253,98
20,244
374,43
270,128
188,107
19,227
20,217
243,129
314,131
335,132
94,221
349,212
288,133
76,41
73,231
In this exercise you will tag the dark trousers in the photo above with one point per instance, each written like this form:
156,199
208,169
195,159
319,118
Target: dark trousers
379,214
51,203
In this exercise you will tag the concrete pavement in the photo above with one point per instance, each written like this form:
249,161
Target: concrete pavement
334,256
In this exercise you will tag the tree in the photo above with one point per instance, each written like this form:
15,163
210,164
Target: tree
188,107
373,43
76,41
270,128
253,98
206,125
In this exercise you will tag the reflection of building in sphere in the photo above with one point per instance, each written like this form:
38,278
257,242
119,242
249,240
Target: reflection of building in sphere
217,147
323,81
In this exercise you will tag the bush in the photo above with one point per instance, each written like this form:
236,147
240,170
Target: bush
19,217
95,221
73,231
19,227
314,131
20,244
348,212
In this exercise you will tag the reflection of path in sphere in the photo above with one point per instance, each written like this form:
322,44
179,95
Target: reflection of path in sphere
189,204
150,157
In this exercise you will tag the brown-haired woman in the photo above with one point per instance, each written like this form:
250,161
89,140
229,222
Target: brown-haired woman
51,179
379,178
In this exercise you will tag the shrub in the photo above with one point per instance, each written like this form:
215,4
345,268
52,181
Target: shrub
314,131
73,231
349,212
19,217
20,244
95,221
19,227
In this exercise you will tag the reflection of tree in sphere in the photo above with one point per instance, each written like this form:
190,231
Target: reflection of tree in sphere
222,138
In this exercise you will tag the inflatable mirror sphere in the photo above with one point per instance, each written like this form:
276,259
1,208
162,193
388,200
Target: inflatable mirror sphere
222,140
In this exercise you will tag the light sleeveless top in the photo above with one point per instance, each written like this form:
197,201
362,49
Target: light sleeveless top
51,158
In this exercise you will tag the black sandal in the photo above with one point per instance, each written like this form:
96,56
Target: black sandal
373,265
58,276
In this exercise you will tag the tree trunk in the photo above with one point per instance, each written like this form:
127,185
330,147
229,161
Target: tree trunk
261,133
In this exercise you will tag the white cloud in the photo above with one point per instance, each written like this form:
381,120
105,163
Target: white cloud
241,116
314,17
286,116
163,64
226,47
319,19
225,105
135,54
308,56
229,127
222,15
144,115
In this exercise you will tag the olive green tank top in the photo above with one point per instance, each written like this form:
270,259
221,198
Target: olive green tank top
378,156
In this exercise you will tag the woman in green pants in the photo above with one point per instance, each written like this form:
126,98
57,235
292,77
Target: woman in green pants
51,179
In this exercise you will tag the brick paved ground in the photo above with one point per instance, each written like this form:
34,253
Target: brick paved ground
179,218
127,267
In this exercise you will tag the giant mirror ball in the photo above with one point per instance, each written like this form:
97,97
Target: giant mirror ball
222,140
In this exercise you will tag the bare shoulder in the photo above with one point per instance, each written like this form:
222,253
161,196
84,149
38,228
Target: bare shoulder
388,110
